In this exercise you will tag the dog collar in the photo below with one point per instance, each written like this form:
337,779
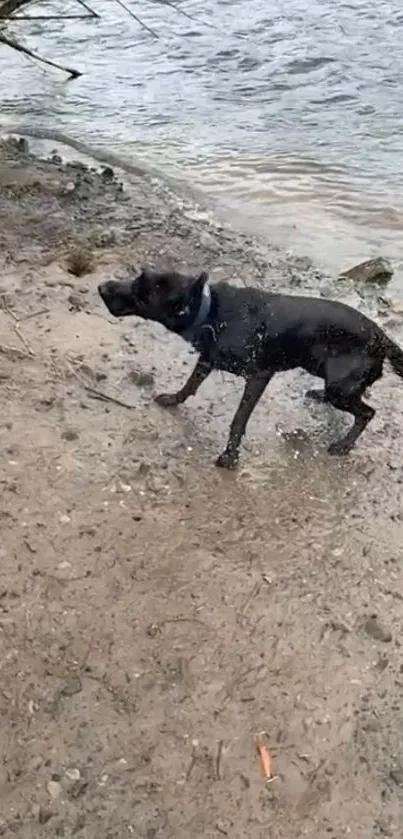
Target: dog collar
204,309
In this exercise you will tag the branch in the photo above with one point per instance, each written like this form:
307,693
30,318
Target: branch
185,14
88,8
16,46
142,24
8,7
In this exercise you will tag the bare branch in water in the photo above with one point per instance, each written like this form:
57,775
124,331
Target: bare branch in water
88,8
185,14
10,42
135,17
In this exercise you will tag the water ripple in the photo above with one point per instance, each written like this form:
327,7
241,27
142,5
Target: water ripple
314,81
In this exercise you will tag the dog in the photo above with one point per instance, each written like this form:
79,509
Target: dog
255,334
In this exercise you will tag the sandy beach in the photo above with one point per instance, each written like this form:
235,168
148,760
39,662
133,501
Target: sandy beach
155,613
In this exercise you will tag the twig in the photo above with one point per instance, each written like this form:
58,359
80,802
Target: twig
262,748
98,394
6,308
255,591
191,765
183,620
185,14
10,42
104,397
52,17
218,760
6,350
136,18
235,683
88,8
29,349
36,314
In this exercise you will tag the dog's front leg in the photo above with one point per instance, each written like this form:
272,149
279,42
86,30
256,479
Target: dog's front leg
254,388
199,374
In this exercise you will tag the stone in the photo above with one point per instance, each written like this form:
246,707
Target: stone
73,774
72,687
69,434
54,789
372,271
375,630
396,775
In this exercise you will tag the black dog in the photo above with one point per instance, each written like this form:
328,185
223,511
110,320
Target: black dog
255,334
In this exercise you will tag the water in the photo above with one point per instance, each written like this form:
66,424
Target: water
289,114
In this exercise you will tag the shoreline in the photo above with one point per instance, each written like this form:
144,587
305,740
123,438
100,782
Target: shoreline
154,613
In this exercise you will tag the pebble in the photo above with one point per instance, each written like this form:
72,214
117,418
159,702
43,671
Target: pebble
72,687
69,434
54,789
376,630
396,775
73,774
141,379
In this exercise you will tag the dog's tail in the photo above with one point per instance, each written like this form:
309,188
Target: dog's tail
395,356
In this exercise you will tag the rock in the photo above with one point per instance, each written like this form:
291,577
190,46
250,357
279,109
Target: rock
107,238
73,774
141,379
396,775
375,630
54,789
44,815
78,788
23,145
372,271
107,173
76,302
71,688
69,434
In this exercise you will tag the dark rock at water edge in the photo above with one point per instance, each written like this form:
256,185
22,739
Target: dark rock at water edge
377,270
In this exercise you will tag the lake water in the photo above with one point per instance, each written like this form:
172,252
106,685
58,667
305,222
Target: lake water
289,113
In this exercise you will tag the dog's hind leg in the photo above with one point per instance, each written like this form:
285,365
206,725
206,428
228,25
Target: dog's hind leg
254,388
196,378
347,378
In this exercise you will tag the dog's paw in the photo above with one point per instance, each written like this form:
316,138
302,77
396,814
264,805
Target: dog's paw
166,400
227,460
340,448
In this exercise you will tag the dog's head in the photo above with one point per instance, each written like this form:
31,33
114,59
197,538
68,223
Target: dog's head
168,297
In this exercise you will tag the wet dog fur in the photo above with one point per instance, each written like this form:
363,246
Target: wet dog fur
256,334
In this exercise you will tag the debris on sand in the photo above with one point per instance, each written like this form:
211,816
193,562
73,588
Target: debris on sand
263,750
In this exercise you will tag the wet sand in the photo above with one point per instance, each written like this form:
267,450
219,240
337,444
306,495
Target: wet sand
156,613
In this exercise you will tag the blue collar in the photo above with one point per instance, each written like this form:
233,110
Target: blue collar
204,310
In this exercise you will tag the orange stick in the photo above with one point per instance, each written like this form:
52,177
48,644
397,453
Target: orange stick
262,748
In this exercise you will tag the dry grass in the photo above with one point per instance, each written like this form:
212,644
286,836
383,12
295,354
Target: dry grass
80,261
